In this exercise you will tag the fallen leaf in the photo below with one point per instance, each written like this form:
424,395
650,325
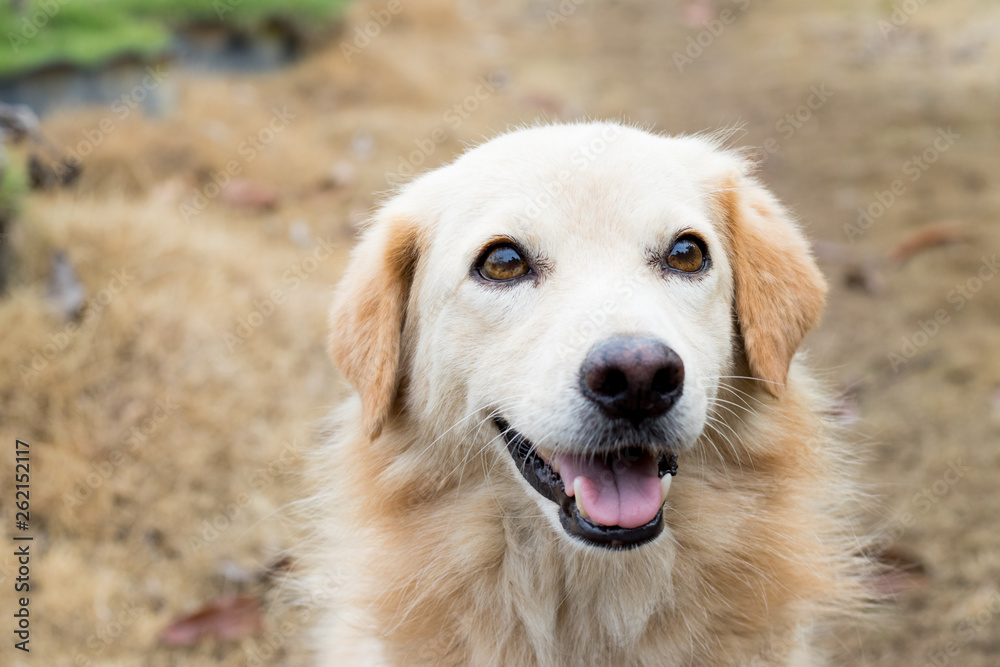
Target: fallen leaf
250,195
228,618
924,238
900,573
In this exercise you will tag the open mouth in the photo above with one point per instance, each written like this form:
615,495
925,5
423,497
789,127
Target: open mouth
612,500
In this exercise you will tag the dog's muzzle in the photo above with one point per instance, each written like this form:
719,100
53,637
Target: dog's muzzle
612,500
613,496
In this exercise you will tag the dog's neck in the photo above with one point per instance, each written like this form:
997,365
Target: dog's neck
467,556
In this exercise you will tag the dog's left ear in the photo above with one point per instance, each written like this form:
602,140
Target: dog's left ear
780,291
366,319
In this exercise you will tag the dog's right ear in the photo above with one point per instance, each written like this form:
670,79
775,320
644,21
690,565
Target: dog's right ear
366,319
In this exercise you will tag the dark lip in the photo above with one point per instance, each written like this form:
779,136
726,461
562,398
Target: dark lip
548,484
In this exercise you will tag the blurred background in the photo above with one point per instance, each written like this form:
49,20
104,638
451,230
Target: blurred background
182,182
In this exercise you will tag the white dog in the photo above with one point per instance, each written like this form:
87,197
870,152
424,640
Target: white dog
580,435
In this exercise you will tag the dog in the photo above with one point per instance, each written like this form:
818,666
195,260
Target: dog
581,433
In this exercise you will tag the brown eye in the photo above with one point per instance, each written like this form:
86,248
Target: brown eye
688,255
503,263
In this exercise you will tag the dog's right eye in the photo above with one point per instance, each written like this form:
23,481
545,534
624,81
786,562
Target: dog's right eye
502,263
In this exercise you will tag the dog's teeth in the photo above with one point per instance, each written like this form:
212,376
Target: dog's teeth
548,456
577,486
665,486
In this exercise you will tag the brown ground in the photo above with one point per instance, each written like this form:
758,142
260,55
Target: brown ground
225,428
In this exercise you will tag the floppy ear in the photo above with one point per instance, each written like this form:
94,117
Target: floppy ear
366,319
780,291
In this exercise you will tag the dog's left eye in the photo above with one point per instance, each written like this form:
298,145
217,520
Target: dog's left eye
687,255
502,263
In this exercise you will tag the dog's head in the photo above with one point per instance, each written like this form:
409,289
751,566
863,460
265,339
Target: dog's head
584,290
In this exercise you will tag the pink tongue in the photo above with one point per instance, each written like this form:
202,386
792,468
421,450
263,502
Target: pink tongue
625,494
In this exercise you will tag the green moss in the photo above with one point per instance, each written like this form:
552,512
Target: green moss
242,11
88,32
82,32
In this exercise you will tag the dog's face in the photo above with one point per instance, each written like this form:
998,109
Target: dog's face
584,290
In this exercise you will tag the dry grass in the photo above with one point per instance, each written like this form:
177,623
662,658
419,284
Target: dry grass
232,413
146,425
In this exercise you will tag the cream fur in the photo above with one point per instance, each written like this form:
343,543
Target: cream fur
444,554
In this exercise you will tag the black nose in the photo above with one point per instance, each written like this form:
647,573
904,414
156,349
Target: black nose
632,378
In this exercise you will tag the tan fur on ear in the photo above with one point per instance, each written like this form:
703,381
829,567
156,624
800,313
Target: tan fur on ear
780,291
366,319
